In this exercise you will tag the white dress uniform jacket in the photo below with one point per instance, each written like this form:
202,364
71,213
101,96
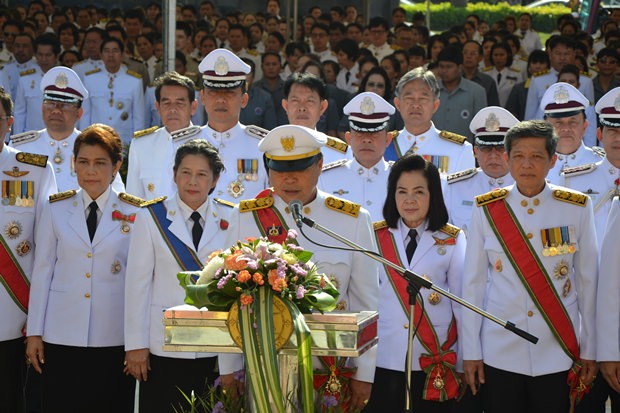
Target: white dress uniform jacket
462,187
444,271
152,285
10,74
509,78
12,318
530,41
598,181
245,174
151,158
490,273
364,186
608,305
59,154
28,101
85,66
382,51
581,156
121,107
356,275
78,286
458,156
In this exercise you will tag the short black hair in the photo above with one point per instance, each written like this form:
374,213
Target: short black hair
555,41
378,21
532,129
118,42
437,212
200,147
274,54
48,39
348,47
452,54
508,50
308,80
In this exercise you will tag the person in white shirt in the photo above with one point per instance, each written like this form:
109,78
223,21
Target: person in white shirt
347,52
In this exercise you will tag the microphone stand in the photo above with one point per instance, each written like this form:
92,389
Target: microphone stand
415,283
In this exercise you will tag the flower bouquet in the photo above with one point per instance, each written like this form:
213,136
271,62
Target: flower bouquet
248,278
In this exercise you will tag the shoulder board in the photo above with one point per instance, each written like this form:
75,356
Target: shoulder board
134,74
586,74
256,131
395,47
136,59
224,202
254,204
514,69
153,201
31,159
27,72
252,52
451,230
452,137
486,69
527,82
394,134
337,144
185,132
342,205
379,225
598,151
62,195
130,199
91,72
461,176
25,137
570,197
334,164
144,132
542,73
492,196
579,170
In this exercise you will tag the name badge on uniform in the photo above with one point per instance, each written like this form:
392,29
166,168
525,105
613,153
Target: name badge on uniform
18,193
558,241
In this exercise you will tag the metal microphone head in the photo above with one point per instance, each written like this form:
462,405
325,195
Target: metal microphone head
296,206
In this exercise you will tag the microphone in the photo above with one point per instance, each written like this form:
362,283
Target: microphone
296,207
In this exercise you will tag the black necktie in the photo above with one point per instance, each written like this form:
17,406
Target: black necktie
91,221
347,76
499,78
413,244
196,229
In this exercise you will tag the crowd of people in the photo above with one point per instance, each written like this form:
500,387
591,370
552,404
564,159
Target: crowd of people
477,158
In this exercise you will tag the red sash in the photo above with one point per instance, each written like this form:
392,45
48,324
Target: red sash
13,278
539,286
439,364
270,221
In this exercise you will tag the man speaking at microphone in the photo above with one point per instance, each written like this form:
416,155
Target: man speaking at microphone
292,155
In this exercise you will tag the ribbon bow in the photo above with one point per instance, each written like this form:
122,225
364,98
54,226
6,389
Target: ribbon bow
441,381
118,216
333,381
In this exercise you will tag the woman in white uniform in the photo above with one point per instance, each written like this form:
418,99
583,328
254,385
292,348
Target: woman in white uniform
416,235
170,236
75,320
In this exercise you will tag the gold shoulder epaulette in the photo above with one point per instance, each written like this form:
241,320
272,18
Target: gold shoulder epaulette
27,72
134,74
153,201
91,72
379,225
486,69
62,195
224,202
461,176
452,137
342,205
144,132
256,131
579,170
188,132
248,205
24,137
541,73
527,82
395,47
131,199
333,165
136,59
598,151
494,195
394,134
252,52
337,144
586,74
570,197
451,230
32,159
514,69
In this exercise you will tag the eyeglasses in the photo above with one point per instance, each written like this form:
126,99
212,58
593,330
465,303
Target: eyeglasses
7,34
51,105
373,84
608,61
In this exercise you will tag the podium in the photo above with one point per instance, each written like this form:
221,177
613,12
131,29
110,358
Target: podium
340,334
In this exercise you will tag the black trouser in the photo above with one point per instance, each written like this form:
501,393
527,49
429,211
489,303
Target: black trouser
12,370
595,400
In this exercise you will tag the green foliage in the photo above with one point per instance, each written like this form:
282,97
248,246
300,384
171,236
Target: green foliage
445,15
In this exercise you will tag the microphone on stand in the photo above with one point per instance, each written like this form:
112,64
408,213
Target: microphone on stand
296,206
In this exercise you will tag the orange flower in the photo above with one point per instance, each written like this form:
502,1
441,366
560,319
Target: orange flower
250,239
258,278
246,299
214,254
244,276
277,284
234,265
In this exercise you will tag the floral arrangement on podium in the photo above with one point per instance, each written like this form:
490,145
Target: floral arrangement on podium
250,280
